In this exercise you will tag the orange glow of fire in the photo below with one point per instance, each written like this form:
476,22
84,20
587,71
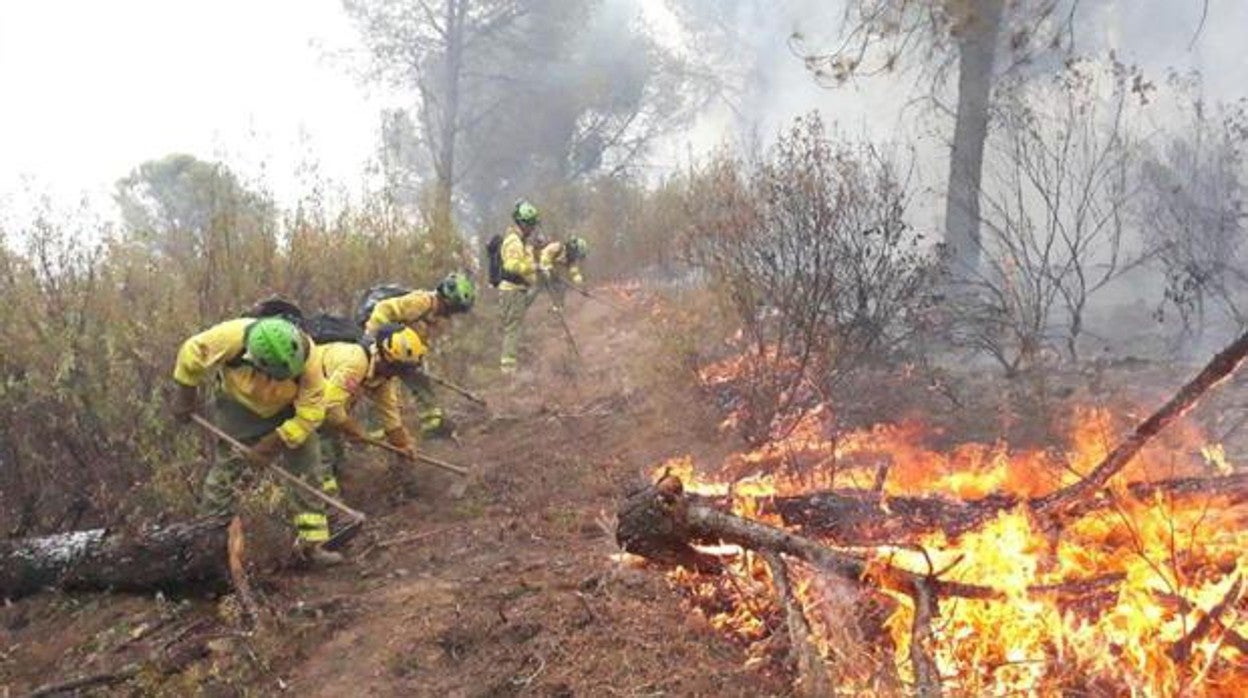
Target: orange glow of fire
1167,562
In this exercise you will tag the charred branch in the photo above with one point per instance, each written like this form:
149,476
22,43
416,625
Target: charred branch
1218,369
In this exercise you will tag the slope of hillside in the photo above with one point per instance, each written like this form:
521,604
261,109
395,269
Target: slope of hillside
509,590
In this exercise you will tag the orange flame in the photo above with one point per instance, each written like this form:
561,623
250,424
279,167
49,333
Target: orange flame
1161,565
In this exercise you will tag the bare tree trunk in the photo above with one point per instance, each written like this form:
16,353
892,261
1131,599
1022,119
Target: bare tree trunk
176,556
442,224
977,42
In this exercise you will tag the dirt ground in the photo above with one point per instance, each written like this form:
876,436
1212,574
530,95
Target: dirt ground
510,590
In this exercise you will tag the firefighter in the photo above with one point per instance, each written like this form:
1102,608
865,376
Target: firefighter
519,281
559,266
424,312
272,399
372,369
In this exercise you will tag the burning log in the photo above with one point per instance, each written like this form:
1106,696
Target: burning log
685,522
664,529
177,556
863,517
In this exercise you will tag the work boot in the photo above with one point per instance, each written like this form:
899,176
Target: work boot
315,555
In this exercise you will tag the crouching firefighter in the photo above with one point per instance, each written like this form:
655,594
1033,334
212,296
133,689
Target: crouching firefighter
271,399
425,312
370,368
559,266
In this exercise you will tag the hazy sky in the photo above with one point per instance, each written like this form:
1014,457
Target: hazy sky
91,88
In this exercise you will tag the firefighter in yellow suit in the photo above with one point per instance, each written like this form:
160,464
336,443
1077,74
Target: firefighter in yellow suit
272,399
372,370
520,280
559,265
424,311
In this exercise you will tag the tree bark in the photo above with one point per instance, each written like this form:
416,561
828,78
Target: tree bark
176,557
976,38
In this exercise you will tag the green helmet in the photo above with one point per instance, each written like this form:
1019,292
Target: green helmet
577,249
458,291
525,213
276,347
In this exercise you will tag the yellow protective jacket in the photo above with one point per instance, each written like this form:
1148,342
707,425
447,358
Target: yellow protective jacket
350,372
220,348
518,260
415,309
554,258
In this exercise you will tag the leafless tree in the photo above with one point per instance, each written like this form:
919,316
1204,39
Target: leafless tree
1193,211
985,39
810,247
1061,180
430,45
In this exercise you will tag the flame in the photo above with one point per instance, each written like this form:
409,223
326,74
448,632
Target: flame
1151,569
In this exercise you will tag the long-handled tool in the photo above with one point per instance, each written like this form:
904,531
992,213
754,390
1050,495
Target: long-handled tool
457,490
357,517
596,297
420,457
567,332
464,392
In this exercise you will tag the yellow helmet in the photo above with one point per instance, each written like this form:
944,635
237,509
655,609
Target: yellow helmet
401,345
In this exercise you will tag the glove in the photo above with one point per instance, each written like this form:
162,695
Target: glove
577,278
266,449
185,400
352,431
401,439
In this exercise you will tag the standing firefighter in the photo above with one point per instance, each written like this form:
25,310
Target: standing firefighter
559,266
423,311
371,368
518,279
272,399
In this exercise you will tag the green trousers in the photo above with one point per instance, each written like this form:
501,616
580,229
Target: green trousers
515,305
221,483
558,290
427,408
334,459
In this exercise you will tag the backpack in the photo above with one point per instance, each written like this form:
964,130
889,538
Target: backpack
276,306
494,258
326,329
375,295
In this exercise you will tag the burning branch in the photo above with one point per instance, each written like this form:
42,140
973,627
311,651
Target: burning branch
1218,368
813,679
863,517
1183,648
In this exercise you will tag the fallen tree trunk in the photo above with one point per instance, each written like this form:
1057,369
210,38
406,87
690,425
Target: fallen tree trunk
174,557
864,517
660,523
